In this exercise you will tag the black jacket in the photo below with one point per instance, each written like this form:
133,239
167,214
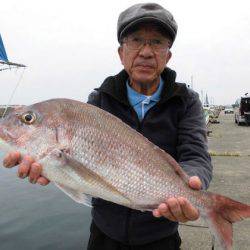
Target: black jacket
175,124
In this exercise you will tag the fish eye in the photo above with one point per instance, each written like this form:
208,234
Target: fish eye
28,118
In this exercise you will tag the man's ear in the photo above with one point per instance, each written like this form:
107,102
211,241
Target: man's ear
120,52
168,56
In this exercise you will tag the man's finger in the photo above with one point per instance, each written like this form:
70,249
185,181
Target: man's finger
25,165
12,159
190,212
195,182
176,210
166,212
35,172
43,181
156,213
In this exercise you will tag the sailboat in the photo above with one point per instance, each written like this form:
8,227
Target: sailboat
4,62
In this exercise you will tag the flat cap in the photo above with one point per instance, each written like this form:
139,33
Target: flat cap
146,12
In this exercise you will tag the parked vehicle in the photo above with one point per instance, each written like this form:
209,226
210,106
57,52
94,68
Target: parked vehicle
206,115
211,114
242,110
229,110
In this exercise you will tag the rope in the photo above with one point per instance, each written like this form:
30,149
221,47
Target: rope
13,92
188,225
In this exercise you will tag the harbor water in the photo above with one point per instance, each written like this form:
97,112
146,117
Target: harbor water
34,217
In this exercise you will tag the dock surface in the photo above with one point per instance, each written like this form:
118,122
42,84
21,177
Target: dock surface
229,145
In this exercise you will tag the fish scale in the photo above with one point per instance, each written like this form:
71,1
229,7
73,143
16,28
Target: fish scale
123,150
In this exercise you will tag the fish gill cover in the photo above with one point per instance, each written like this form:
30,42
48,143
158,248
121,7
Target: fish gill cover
3,55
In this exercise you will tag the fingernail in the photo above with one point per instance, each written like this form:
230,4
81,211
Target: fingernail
23,176
156,213
41,183
33,181
6,163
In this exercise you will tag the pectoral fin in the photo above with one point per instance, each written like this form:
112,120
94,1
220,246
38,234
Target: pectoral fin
95,184
76,196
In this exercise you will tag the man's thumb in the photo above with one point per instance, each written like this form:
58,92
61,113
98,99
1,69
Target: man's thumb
195,182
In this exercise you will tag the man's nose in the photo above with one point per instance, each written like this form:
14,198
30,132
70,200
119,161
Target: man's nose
146,50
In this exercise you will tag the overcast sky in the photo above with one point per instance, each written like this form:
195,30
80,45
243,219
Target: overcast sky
70,47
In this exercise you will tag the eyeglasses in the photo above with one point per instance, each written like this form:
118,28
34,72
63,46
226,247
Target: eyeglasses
157,44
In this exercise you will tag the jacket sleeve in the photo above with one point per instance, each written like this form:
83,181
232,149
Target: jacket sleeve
94,98
192,149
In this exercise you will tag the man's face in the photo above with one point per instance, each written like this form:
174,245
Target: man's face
145,65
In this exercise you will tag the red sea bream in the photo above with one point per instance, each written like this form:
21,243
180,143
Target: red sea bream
88,152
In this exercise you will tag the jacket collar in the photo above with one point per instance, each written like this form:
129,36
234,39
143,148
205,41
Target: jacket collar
116,86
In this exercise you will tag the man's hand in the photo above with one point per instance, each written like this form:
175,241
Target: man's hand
180,209
27,167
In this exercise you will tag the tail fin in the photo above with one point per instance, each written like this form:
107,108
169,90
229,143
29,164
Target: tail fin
222,212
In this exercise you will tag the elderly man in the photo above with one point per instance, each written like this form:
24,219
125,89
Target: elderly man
146,97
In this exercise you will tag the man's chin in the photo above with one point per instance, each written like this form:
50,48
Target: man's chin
143,77
144,80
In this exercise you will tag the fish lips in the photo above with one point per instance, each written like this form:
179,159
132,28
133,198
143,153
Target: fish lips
5,134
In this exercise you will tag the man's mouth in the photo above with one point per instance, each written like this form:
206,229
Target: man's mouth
144,66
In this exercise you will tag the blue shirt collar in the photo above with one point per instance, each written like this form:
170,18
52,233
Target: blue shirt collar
134,97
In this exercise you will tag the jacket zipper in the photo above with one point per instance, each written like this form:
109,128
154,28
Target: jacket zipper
149,111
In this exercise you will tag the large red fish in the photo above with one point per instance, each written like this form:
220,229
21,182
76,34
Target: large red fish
88,152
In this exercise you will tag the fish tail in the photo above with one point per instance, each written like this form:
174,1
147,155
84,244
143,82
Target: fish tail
222,212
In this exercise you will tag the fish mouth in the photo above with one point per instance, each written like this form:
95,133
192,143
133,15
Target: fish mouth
5,141
6,135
